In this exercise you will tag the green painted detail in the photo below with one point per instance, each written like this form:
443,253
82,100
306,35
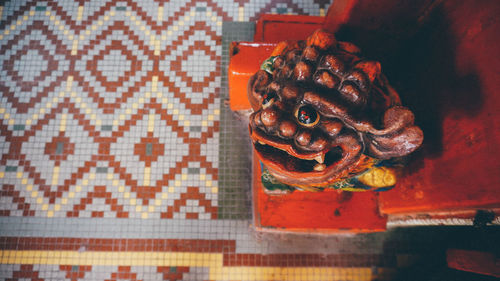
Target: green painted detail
195,129
121,8
40,8
272,184
106,127
11,168
193,171
201,9
101,170
350,184
149,149
75,268
19,127
60,148
173,269
267,65
282,10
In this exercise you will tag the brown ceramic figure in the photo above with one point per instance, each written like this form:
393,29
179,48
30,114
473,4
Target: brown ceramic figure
326,117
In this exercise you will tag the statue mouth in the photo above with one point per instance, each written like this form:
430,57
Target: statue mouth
292,166
282,161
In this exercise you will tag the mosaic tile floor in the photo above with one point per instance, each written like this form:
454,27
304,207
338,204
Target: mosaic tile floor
121,162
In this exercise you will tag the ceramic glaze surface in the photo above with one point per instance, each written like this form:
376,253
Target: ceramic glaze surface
323,114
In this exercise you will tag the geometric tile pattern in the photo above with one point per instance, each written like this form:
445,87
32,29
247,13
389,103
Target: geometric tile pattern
112,108
106,114
119,160
112,120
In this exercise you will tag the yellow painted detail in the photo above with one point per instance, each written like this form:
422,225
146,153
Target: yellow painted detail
80,13
379,177
74,47
154,84
241,13
160,13
55,175
210,260
151,122
147,176
62,125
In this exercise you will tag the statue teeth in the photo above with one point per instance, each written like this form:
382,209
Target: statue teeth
320,158
261,142
319,167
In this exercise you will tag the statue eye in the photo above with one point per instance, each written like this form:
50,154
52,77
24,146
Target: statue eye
307,116
268,99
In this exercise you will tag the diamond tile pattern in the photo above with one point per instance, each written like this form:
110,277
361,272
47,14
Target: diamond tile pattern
112,165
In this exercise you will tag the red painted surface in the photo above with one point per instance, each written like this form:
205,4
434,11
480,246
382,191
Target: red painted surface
245,61
473,261
315,212
458,167
446,67
277,28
